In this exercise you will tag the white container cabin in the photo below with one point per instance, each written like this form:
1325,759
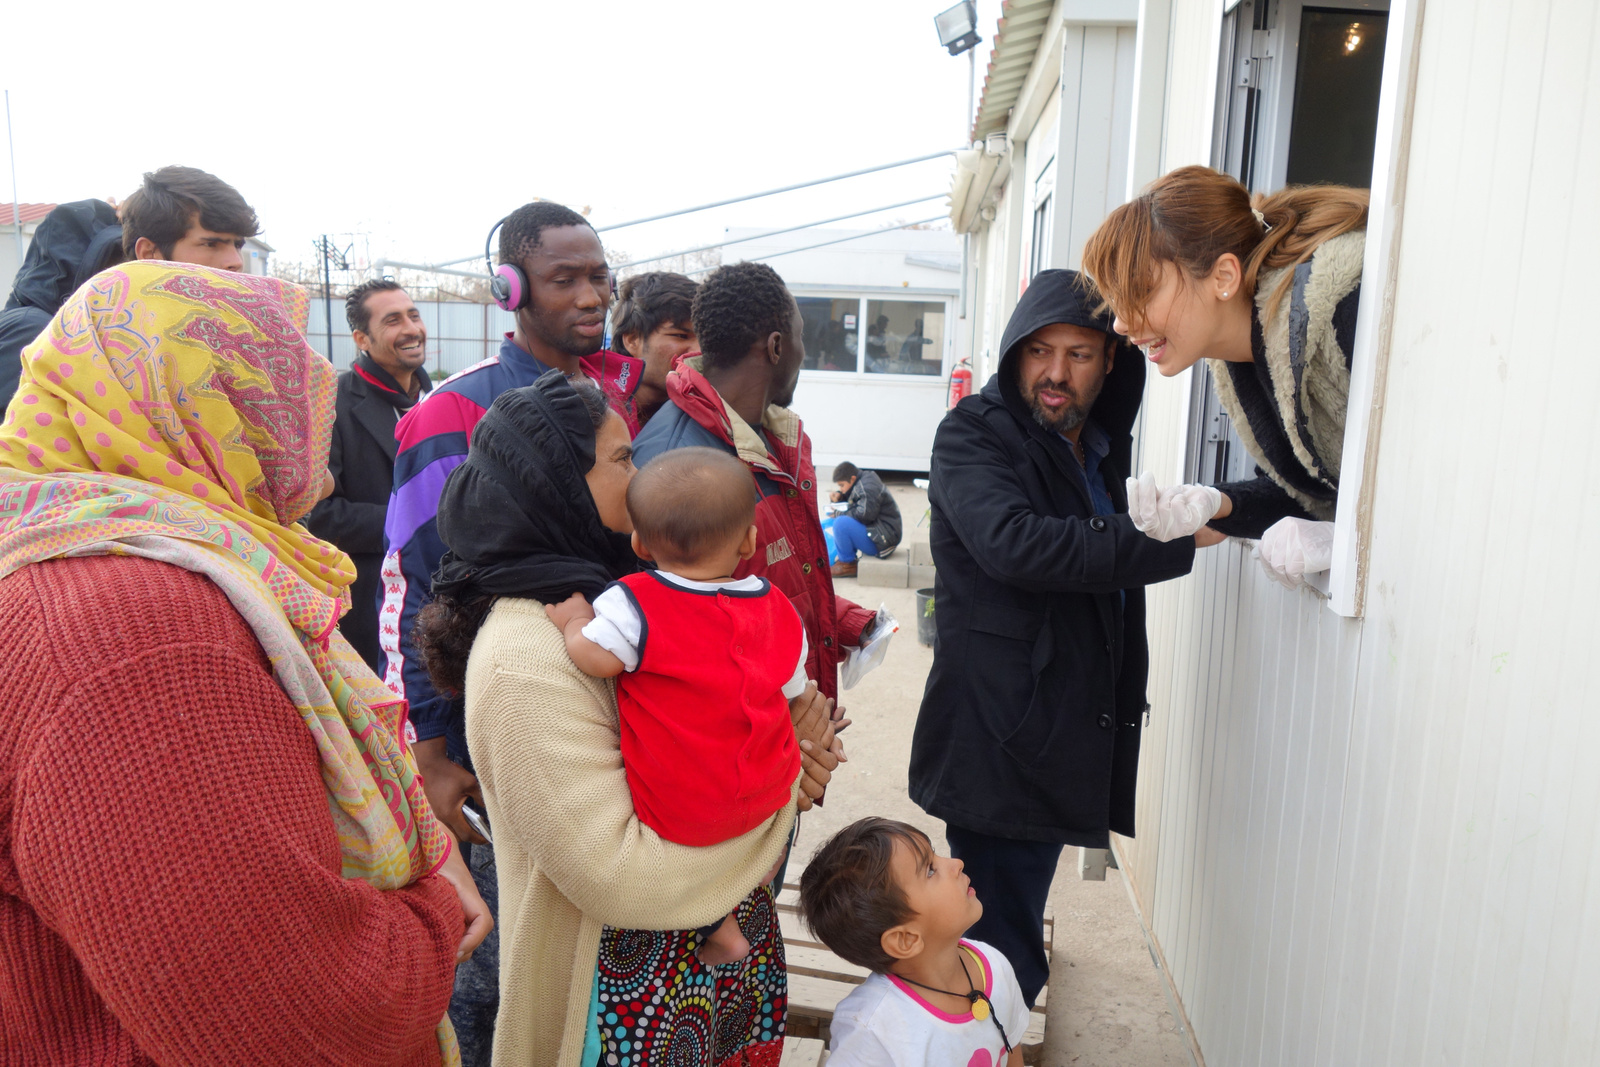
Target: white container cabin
1369,815
881,337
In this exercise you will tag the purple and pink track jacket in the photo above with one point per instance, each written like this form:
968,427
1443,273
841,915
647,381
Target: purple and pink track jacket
433,439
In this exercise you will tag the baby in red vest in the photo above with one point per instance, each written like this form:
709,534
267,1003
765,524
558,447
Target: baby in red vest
705,663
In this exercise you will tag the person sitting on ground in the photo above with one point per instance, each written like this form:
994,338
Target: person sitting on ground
705,663
878,896
870,524
185,215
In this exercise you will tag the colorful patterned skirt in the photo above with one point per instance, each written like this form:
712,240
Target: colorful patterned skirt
660,1007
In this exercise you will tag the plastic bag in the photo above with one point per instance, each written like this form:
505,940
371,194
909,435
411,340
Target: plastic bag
862,660
827,536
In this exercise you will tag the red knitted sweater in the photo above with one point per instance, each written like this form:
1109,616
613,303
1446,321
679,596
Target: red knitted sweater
170,886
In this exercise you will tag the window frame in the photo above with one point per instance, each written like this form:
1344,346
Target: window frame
1344,584
862,296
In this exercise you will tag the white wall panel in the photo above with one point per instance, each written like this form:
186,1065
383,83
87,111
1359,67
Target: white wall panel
1378,841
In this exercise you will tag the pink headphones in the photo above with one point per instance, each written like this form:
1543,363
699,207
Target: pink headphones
507,284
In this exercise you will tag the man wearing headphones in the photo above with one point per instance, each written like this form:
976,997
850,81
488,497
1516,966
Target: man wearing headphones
553,275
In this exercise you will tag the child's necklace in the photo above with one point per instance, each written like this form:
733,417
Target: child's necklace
982,1006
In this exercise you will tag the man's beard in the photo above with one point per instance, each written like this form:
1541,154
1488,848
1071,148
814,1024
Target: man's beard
1069,416
567,343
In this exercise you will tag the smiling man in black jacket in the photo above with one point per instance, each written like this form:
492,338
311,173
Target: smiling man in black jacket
387,380
1028,736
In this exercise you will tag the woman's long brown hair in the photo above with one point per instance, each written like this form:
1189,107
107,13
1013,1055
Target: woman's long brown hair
1194,215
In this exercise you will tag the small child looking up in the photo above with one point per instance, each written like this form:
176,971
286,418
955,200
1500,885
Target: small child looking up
705,665
878,896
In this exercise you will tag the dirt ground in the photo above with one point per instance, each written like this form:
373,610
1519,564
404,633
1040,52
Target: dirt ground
1106,1005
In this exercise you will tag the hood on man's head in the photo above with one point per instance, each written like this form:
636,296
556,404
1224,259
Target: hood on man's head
71,245
1066,296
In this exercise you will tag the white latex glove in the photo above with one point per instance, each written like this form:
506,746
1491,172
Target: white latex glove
1294,548
1168,514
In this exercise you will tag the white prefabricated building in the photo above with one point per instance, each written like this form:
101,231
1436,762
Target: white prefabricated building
879,307
1369,814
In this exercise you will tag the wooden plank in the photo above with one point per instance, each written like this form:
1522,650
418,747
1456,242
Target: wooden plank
802,1052
820,963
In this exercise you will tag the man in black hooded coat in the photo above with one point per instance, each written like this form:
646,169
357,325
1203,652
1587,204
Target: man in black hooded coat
1028,735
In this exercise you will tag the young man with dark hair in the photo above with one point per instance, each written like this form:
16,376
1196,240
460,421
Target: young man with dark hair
188,216
559,327
652,321
735,396
386,381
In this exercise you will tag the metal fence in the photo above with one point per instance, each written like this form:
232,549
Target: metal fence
459,334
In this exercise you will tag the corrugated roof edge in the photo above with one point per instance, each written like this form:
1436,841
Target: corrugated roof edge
29,212
1016,37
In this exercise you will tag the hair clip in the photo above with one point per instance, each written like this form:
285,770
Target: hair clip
1265,226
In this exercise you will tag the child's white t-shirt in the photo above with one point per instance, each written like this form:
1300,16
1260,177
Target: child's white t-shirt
616,626
887,1023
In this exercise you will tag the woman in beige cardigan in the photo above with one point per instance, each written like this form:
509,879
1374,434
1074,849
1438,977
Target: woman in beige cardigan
596,911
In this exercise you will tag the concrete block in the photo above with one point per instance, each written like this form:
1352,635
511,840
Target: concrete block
921,554
920,576
1092,864
892,573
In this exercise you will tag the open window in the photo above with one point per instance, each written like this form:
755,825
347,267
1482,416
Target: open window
1308,92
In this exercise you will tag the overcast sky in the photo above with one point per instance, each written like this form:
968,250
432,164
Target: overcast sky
417,126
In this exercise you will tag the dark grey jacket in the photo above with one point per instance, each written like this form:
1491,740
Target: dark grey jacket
368,405
1029,727
873,506
72,244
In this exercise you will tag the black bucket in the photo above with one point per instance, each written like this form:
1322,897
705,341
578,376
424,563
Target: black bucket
925,617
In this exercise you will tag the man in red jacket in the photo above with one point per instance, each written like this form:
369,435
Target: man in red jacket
735,396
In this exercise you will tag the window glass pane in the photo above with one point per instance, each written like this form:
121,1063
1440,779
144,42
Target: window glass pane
1335,122
831,331
905,337
1040,256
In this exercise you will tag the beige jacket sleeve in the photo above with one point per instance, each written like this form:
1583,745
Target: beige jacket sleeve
544,743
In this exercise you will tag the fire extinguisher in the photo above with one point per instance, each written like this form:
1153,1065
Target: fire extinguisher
960,382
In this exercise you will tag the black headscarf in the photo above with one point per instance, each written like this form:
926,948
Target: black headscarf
517,516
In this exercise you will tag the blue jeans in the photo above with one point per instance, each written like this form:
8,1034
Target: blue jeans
850,538
476,1000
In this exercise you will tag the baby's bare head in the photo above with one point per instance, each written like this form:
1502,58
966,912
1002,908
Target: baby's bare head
690,503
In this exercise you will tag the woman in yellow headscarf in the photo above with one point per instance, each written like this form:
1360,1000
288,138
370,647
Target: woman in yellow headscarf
214,847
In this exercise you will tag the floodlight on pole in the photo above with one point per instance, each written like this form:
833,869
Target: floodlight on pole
958,27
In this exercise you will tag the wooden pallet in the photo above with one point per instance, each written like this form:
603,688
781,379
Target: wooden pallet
818,979
803,1052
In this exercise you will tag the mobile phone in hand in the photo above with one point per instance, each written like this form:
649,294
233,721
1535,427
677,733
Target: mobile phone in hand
476,820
